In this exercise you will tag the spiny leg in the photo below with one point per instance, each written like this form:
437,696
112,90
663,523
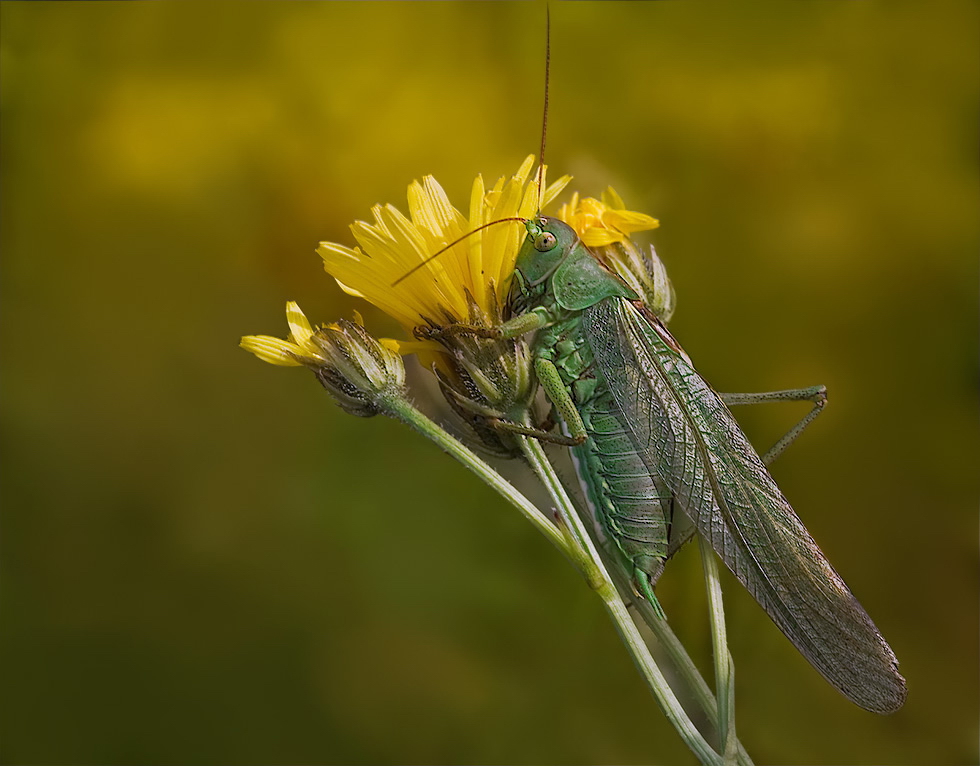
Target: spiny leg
538,433
550,380
815,394
514,328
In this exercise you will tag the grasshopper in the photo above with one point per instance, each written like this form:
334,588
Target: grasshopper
661,457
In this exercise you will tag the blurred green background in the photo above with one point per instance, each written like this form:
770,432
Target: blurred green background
205,562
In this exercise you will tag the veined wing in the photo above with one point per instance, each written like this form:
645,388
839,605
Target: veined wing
686,434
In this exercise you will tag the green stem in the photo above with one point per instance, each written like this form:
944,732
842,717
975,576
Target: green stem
724,667
688,670
403,410
600,580
583,554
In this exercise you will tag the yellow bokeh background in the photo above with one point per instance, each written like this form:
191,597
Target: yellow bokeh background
205,562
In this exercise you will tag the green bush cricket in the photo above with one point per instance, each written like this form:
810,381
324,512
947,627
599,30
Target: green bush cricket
657,440
661,457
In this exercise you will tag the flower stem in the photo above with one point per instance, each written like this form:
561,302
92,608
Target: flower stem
403,410
688,670
574,541
600,580
724,667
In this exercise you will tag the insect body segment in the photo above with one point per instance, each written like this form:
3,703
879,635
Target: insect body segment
633,508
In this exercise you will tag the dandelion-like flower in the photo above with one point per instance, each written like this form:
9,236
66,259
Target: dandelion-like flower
482,379
481,265
604,221
297,350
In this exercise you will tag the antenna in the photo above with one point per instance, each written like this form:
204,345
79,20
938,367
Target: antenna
544,135
435,255
544,118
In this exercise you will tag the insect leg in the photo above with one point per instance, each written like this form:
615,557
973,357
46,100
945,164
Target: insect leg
554,388
815,394
519,325
453,330
643,583
537,433
550,380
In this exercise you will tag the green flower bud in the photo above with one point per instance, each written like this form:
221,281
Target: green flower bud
486,379
362,376
644,272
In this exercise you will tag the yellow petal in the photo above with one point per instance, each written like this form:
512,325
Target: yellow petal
611,199
272,350
299,325
551,192
596,237
348,290
628,221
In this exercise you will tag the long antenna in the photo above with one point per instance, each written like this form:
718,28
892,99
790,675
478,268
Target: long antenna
544,136
544,118
415,268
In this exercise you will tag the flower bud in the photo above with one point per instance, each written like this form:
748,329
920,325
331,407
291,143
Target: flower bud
644,272
360,374
487,379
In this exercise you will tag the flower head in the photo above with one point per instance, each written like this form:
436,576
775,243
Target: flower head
483,379
605,225
363,375
602,222
481,264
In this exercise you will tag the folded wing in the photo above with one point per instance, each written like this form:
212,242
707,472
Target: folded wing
686,434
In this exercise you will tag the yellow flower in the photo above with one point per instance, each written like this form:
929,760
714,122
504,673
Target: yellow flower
481,265
603,222
363,376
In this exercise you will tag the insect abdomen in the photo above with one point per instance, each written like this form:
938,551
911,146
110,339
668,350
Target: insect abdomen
633,511
632,507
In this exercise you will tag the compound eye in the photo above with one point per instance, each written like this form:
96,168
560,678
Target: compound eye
544,241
